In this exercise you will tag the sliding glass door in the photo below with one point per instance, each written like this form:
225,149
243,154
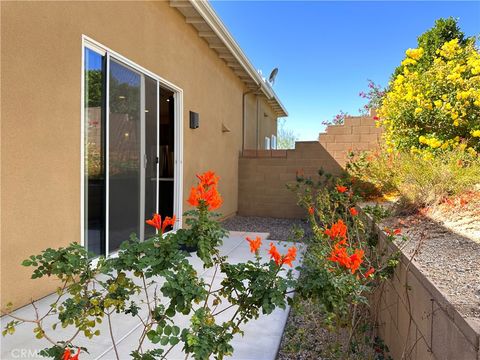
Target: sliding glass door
125,150
122,146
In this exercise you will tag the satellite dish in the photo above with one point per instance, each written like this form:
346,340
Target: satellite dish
272,76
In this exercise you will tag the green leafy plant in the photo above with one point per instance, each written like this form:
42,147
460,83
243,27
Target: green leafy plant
344,264
417,180
153,281
444,30
286,136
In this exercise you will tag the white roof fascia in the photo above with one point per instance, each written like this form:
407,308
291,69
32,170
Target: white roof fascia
217,26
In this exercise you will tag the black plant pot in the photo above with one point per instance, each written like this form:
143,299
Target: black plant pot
189,248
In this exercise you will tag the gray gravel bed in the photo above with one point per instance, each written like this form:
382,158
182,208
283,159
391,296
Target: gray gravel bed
448,259
306,337
279,229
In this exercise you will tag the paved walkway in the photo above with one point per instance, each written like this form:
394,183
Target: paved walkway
260,341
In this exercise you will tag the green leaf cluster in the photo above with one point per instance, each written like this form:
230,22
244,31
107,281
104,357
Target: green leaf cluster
154,281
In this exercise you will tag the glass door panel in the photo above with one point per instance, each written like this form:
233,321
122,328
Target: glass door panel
151,146
94,150
166,153
125,116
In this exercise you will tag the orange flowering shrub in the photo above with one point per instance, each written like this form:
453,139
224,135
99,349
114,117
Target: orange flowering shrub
342,264
204,233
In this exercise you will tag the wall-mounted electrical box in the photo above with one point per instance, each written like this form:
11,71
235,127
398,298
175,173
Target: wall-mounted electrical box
194,120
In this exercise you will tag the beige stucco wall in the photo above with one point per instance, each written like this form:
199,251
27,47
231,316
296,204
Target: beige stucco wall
250,121
266,125
40,113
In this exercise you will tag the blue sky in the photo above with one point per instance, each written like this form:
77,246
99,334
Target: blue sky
326,51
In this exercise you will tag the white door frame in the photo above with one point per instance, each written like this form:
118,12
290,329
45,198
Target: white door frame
178,131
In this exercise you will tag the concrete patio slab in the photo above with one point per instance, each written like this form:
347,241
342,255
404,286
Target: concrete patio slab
260,341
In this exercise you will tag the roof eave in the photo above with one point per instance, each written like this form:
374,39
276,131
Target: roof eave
238,61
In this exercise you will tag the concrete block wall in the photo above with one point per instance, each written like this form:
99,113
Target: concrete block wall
263,176
358,133
417,322
414,318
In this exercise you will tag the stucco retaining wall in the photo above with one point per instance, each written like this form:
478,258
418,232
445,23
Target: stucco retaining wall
417,321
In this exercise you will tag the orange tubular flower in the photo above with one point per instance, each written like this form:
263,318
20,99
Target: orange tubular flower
311,210
214,200
291,255
275,255
255,244
341,189
369,272
169,221
285,259
393,232
194,196
340,255
75,357
208,179
155,221
356,260
353,211
67,355
211,197
338,230
206,191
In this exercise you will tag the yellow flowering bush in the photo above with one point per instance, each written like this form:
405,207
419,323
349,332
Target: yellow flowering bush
430,114
427,110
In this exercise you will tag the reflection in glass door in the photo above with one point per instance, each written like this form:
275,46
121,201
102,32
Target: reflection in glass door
94,150
124,157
